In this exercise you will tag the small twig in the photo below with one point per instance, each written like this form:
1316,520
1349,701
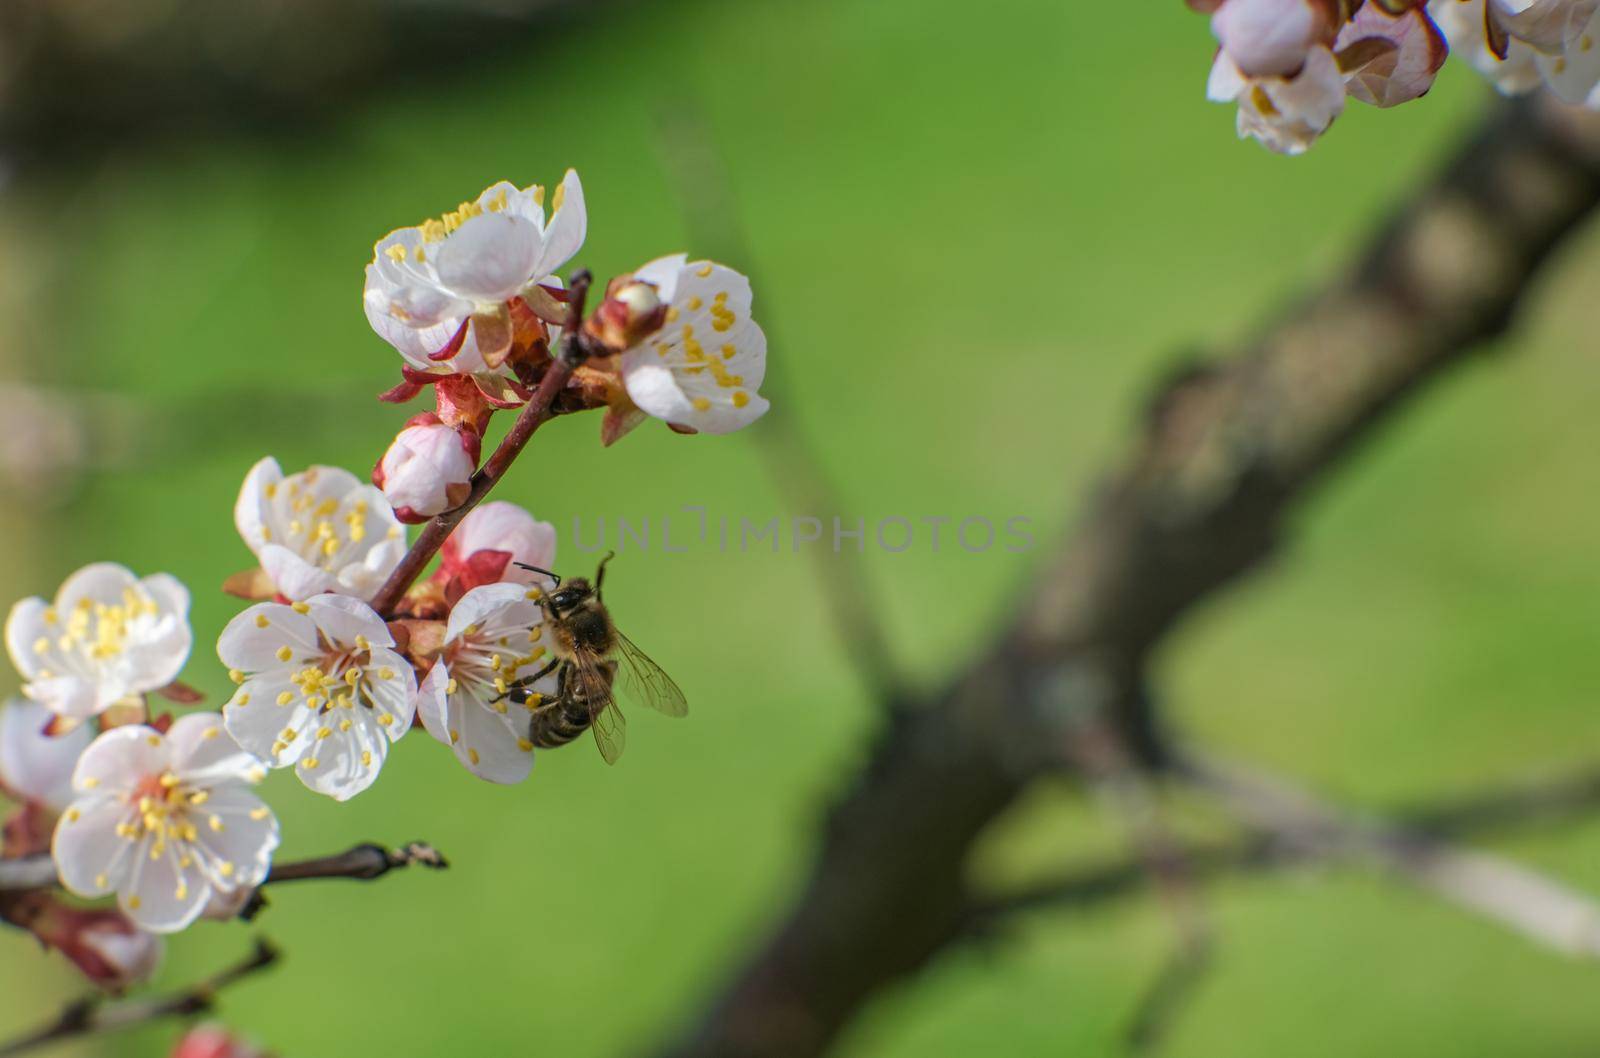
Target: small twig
792,462
1517,897
533,415
1163,1000
1098,753
91,1016
1477,814
362,863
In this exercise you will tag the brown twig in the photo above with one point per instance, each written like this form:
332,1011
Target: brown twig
533,415
1226,454
92,1016
361,863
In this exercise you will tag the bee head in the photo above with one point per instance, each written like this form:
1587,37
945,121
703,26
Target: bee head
570,594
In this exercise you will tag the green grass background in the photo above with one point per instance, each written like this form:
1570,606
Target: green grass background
985,229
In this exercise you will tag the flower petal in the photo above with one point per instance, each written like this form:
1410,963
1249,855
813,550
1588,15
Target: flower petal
91,857
118,759
163,896
293,576
238,829
203,751
35,765
490,257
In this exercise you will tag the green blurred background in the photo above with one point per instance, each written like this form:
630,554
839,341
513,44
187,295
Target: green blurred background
981,232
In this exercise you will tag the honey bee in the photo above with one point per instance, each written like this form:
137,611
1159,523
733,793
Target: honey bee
589,656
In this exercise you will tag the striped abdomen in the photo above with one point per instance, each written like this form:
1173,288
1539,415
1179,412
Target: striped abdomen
558,723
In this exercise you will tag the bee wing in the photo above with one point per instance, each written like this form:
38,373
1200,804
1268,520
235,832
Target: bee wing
645,683
594,686
610,732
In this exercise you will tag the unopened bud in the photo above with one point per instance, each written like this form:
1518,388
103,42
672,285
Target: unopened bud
213,1041
110,950
632,311
1269,38
428,468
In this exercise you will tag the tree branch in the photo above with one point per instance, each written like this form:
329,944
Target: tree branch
1479,814
1518,898
361,863
92,1016
1226,454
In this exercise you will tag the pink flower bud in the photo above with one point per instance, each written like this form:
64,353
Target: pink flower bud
486,546
213,1041
1268,38
428,469
631,312
110,950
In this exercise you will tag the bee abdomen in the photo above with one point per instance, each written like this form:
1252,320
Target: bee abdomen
557,724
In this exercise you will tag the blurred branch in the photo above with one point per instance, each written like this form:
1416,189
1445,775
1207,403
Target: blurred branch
92,1016
710,208
1478,814
1098,754
1520,899
1227,452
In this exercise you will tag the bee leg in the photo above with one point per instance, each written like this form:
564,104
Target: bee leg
600,572
550,666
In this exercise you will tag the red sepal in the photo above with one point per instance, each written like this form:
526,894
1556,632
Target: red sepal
453,346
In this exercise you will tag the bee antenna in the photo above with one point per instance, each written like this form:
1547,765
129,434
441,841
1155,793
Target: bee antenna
600,573
540,569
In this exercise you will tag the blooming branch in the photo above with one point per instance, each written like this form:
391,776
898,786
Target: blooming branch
534,414
92,1016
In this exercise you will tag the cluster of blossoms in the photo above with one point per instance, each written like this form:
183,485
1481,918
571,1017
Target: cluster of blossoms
1290,65
333,661
473,303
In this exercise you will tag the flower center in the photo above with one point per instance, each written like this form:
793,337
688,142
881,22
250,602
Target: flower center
318,531
162,804
100,631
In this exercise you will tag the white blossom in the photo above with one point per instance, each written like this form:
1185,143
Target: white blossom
321,689
321,530
1268,38
108,638
437,292
163,821
1390,59
491,640
703,367
1549,41
36,765
1286,114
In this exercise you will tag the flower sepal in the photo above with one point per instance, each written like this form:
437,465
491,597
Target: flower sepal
112,952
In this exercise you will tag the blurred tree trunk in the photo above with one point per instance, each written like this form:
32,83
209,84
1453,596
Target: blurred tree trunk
1226,452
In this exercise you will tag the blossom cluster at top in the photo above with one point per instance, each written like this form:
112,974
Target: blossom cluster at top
332,662
1290,65
473,303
